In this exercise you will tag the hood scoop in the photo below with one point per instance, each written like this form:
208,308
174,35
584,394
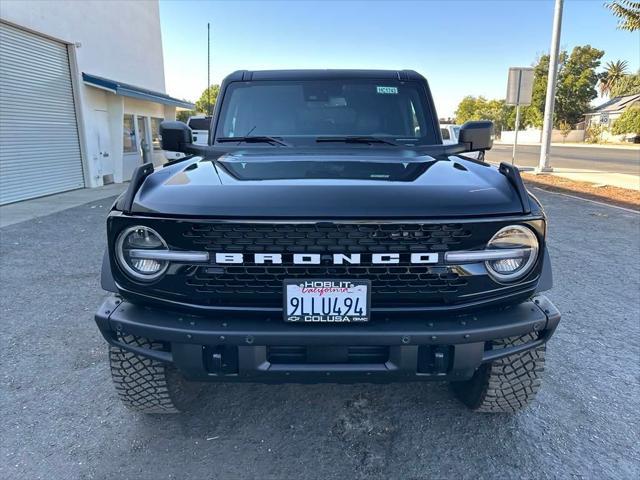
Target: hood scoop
325,169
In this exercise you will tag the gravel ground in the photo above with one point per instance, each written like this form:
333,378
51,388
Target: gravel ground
61,418
622,197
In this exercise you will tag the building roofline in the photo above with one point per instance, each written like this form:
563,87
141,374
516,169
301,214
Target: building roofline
615,104
127,90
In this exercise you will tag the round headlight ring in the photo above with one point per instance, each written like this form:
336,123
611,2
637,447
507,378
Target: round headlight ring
529,240
124,261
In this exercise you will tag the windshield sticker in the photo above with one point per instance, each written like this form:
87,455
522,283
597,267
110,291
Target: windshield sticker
387,90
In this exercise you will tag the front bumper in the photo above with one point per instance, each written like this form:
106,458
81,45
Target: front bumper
224,347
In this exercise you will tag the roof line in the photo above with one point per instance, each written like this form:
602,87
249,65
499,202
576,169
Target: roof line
126,90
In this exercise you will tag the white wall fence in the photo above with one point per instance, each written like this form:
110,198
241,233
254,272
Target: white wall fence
535,136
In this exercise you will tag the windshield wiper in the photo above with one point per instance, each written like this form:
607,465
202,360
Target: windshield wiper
252,139
356,139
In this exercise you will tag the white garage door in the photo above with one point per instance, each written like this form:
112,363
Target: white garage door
39,148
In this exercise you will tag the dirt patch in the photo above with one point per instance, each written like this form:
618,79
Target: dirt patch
621,197
367,436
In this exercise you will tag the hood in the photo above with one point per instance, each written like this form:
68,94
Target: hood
331,184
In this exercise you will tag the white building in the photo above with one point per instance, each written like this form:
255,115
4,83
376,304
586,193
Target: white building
610,111
81,89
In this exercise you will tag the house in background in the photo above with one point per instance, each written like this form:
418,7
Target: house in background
608,112
81,90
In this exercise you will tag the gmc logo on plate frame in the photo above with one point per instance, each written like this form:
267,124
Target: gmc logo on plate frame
335,259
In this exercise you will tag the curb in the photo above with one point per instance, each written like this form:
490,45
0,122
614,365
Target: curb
632,146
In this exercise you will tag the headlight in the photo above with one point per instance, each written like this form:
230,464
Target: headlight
515,250
133,247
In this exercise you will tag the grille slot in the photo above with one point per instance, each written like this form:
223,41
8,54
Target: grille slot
354,354
267,280
330,238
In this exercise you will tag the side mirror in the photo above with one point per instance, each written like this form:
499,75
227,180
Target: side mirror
176,136
476,135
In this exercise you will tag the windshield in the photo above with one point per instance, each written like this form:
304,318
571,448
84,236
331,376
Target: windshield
307,110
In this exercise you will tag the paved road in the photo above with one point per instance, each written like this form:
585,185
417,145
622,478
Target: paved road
61,419
611,160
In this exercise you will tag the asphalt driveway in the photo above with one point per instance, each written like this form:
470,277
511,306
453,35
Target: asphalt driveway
61,419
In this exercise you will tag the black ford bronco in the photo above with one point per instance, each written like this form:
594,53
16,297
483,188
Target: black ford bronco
326,234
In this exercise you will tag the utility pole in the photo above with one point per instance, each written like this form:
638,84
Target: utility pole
547,127
208,68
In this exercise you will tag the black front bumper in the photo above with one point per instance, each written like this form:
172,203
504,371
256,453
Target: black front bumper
233,347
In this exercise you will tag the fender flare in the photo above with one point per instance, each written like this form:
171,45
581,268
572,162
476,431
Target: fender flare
546,277
106,276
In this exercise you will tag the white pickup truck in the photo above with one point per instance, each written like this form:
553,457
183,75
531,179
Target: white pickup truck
199,126
450,133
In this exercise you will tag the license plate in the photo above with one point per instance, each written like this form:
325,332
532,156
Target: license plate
326,301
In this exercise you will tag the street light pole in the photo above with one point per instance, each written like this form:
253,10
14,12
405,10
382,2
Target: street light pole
547,126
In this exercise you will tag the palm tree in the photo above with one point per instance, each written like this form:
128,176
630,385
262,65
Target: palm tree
612,75
628,13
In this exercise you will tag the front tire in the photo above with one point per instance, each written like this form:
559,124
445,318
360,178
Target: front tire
506,385
145,385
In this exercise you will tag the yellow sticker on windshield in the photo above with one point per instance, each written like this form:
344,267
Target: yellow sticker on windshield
387,90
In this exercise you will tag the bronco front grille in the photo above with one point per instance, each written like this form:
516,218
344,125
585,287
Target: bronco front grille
261,285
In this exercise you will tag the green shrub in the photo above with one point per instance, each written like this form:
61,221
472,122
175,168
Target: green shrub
565,129
628,122
594,134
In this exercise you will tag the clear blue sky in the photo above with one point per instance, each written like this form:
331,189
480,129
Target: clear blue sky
462,47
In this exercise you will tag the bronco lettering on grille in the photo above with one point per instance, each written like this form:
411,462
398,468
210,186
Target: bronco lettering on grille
335,259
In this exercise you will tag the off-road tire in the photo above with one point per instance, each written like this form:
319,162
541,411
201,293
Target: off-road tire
506,385
145,385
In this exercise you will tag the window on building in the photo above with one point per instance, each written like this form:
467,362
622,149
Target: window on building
155,133
128,135
142,131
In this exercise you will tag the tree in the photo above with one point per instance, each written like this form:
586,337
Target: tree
628,122
532,115
479,108
468,109
207,100
628,13
565,130
577,80
183,115
614,72
627,85
502,115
